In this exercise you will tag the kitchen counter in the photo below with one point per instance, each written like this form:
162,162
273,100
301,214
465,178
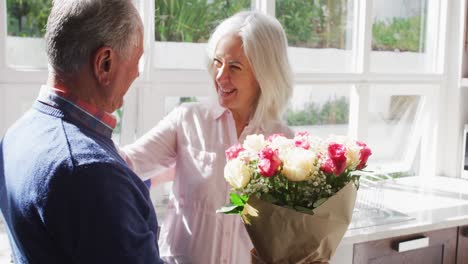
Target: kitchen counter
413,205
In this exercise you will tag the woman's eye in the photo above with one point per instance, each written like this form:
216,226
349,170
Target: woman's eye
217,63
234,67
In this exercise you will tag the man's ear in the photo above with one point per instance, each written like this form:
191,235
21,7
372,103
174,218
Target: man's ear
103,65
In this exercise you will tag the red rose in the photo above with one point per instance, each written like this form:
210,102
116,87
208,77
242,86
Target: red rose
337,152
363,155
233,151
269,162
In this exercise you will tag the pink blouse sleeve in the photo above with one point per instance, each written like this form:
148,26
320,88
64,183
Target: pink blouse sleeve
153,155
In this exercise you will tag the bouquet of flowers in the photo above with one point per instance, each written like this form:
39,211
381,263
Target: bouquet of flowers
295,196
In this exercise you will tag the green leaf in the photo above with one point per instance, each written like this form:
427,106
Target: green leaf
237,199
230,209
244,198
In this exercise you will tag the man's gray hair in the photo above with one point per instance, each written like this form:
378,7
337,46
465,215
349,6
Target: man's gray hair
77,28
265,46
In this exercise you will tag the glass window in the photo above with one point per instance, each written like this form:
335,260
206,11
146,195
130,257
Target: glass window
183,27
320,33
322,110
395,128
399,37
26,27
192,20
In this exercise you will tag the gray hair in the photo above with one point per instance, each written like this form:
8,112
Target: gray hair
77,28
265,46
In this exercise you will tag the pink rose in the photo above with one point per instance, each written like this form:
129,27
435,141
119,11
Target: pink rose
337,152
272,137
233,151
302,144
269,162
328,167
363,155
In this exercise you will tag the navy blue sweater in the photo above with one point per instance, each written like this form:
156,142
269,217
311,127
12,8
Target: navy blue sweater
68,197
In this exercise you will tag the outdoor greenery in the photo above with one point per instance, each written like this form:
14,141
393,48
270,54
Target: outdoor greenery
334,111
314,24
308,23
402,34
28,18
187,99
192,20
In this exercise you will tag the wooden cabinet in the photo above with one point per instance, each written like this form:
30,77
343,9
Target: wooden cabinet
435,247
462,246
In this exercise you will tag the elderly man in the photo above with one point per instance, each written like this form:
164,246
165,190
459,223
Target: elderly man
65,193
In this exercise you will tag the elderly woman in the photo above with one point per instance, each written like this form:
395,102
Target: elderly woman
252,79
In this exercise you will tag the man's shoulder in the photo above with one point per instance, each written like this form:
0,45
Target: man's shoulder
87,147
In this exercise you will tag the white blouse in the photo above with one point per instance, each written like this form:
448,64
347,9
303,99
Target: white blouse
194,138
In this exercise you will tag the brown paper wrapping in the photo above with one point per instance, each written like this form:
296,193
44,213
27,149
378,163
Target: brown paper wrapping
284,236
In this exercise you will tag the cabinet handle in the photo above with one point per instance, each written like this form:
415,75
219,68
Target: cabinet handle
412,244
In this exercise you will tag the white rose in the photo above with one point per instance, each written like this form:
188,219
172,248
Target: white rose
282,144
254,142
299,164
317,144
237,173
352,156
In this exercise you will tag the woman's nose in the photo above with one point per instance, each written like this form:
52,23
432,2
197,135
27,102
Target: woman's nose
222,73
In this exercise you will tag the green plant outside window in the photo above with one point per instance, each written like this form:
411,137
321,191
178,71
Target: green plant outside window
333,111
314,24
192,20
400,34
27,18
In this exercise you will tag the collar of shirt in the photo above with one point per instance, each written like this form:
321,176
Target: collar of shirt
81,111
218,111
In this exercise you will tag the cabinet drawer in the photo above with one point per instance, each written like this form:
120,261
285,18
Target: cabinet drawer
462,247
435,247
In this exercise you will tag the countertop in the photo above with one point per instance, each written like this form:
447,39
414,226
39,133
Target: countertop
432,203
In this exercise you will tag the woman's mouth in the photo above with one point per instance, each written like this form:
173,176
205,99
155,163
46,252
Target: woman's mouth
225,92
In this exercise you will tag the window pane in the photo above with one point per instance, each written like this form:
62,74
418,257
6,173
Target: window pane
320,32
192,20
322,110
27,18
26,27
394,132
183,27
399,37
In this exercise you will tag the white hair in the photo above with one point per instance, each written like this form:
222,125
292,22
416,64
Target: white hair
77,28
265,46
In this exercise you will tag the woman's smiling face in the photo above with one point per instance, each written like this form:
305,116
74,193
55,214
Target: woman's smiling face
235,82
